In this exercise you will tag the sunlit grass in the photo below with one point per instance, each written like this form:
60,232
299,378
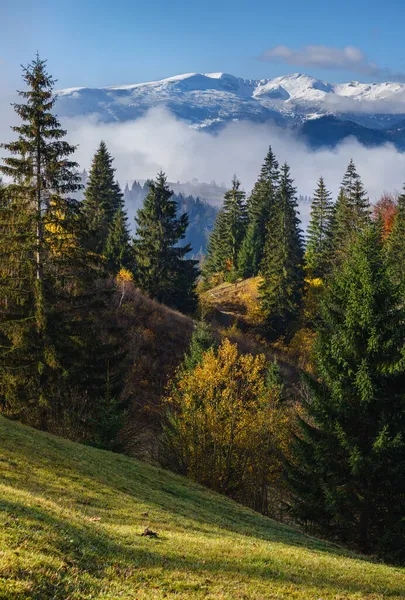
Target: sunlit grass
71,519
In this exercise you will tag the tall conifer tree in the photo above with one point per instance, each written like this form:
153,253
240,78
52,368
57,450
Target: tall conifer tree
281,265
162,269
352,211
46,323
228,233
102,199
349,476
217,255
318,246
259,207
118,251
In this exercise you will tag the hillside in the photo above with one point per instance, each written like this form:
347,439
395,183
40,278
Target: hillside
155,338
71,519
230,303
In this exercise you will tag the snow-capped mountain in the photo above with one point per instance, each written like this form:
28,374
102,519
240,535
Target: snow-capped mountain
214,99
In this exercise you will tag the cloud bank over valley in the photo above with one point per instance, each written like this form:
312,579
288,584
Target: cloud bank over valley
159,141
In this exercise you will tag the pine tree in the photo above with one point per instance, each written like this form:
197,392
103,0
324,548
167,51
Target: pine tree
163,272
248,253
118,252
259,208
46,305
227,235
235,210
216,258
202,340
281,265
349,477
318,247
102,198
396,245
352,211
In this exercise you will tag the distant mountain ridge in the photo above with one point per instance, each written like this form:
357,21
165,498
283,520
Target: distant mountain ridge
210,101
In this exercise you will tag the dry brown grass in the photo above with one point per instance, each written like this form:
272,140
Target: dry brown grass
234,310
234,302
156,338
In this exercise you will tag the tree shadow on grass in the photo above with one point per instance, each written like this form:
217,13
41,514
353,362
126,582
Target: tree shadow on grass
90,556
102,480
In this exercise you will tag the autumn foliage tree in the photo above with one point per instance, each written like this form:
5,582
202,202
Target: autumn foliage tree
384,211
224,427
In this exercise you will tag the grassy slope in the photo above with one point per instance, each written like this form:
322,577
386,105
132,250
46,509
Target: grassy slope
235,302
208,547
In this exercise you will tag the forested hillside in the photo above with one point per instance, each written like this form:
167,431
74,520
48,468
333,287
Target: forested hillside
269,368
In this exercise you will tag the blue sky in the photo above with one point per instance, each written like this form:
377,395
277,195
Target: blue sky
110,42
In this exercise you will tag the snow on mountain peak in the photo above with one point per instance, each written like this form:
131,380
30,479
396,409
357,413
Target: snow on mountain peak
211,99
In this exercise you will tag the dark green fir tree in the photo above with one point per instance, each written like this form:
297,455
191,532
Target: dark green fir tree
319,234
162,271
352,212
118,251
228,234
48,299
259,207
215,260
102,199
348,480
282,263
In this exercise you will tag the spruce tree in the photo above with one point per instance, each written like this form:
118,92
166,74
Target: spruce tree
228,233
395,244
236,220
118,253
162,269
318,246
47,306
259,208
348,480
356,195
352,211
201,341
215,260
102,198
281,267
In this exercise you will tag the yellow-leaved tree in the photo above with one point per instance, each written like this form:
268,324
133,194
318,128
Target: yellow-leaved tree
225,427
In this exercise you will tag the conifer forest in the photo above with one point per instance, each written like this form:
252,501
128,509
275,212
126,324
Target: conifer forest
227,344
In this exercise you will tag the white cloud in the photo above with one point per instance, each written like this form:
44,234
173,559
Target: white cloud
160,141
384,106
348,58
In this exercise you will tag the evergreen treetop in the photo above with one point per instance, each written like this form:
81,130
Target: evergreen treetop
352,210
259,207
228,233
349,476
102,198
318,246
163,272
281,266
